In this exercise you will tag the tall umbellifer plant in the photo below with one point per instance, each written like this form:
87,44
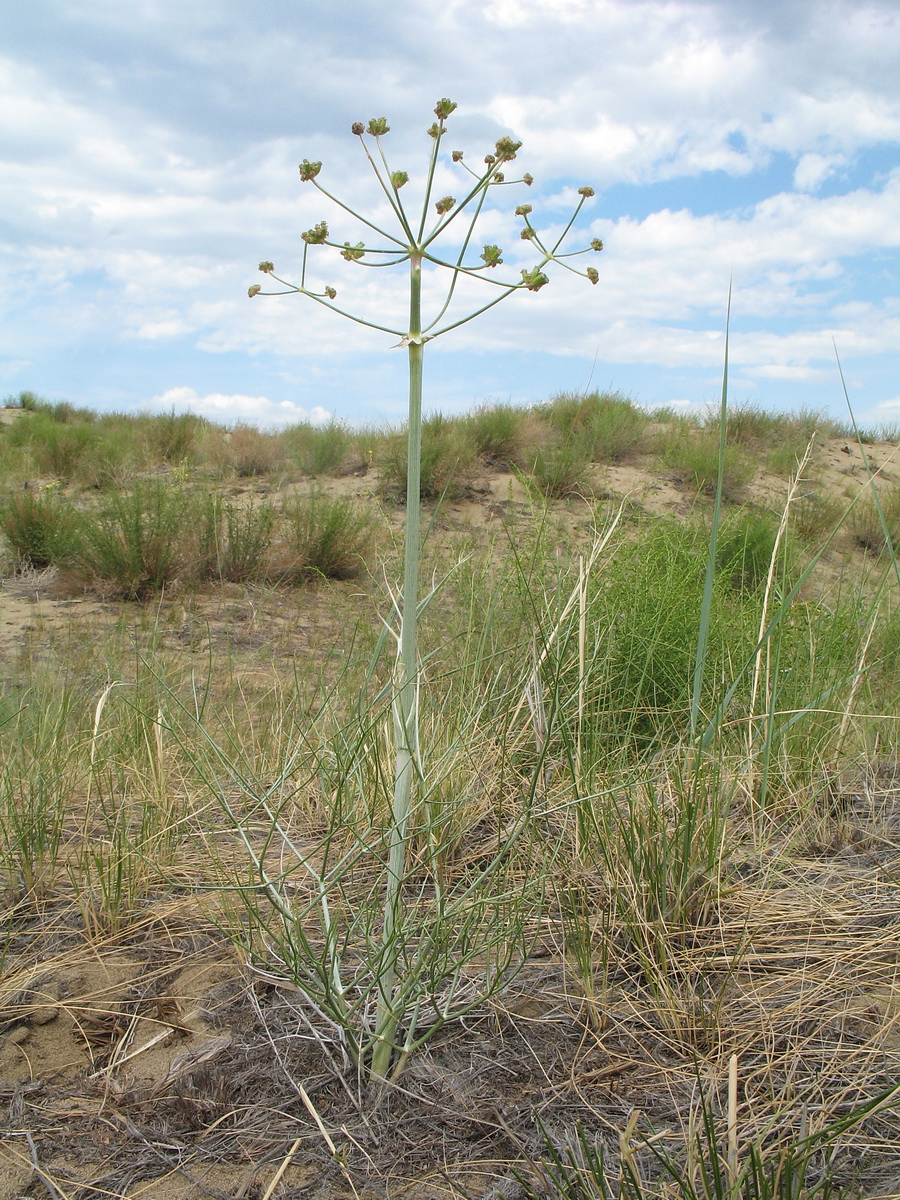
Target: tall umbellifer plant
413,238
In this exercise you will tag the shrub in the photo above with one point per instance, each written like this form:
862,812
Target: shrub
39,526
59,448
317,449
447,463
606,425
250,453
559,468
171,437
815,513
695,461
745,547
135,543
235,540
497,434
867,526
325,535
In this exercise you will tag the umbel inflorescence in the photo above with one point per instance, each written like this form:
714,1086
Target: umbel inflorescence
415,237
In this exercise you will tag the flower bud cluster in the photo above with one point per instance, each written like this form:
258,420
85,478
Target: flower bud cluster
317,235
309,170
534,279
353,253
507,149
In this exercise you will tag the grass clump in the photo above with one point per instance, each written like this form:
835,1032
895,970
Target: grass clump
248,453
560,468
324,536
447,461
815,513
606,425
39,526
746,544
235,540
694,460
318,449
136,542
875,523
171,437
498,433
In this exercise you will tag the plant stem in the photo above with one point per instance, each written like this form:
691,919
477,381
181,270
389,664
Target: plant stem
405,694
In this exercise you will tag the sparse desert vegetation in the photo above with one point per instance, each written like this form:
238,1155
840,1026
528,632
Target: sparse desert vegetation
639,963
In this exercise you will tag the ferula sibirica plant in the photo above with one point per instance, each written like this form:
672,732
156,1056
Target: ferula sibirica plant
416,238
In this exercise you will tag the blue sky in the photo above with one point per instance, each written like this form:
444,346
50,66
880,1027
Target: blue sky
149,162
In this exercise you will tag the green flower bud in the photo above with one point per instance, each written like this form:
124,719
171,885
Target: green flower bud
330,293
490,256
534,279
317,235
498,177
596,244
592,275
254,290
267,268
490,159
435,130
358,128
444,206
527,234
444,108
585,191
522,210
398,178
527,179
457,155
353,253
378,126
506,149
309,170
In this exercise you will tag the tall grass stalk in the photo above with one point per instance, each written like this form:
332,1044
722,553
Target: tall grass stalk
413,242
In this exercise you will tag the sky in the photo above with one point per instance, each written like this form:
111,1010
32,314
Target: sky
148,163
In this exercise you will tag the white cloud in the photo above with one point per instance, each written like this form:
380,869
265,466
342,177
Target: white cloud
151,163
229,410
813,169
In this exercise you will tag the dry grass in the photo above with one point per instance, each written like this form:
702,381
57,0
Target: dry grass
153,1045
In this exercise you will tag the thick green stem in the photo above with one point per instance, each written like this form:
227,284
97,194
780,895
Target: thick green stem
406,716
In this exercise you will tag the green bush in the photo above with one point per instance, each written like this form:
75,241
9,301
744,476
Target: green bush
171,437
497,432
695,461
447,462
137,541
317,449
815,513
39,526
326,536
58,448
870,527
745,547
606,426
235,540
559,468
